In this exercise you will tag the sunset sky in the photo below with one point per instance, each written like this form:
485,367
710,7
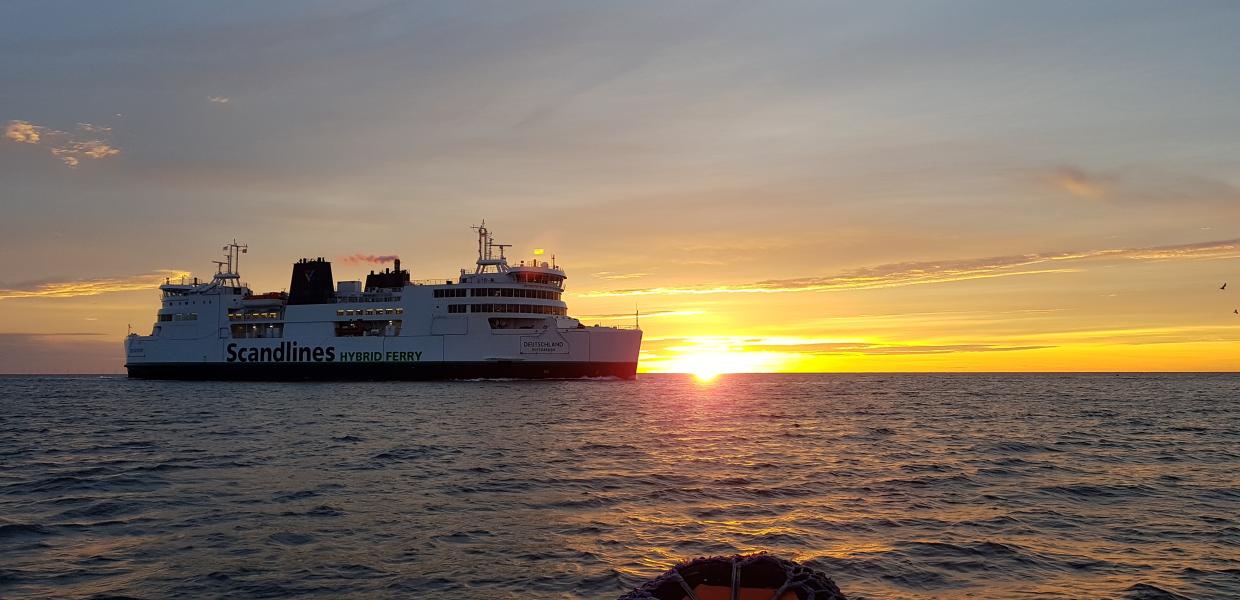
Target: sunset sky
787,186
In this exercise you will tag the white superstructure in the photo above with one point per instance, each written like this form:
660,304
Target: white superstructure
500,320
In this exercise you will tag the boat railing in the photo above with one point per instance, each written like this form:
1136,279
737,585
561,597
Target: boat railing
610,326
354,298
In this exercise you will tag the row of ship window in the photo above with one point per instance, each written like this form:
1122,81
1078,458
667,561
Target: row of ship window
242,316
535,309
274,330
364,298
342,329
367,328
368,312
179,317
497,293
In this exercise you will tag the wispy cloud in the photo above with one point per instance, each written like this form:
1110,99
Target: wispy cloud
818,346
372,259
85,141
611,275
903,349
219,99
1082,184
89,287
920,273
1148,186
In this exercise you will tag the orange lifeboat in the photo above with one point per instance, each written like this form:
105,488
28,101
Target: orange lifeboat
267,299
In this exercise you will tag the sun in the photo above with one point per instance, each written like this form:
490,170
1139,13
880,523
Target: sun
707,366
705,372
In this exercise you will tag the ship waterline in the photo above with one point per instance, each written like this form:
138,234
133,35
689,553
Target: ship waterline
499,321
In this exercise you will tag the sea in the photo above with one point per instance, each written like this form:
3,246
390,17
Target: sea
898,486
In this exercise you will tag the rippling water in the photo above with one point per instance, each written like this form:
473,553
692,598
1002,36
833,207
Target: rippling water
899,486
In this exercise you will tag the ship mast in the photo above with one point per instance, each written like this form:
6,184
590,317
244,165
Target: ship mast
486,256
228,270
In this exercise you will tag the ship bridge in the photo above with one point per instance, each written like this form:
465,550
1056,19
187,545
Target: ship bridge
492,266
522,296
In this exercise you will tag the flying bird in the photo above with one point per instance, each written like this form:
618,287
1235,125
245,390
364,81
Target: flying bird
1224,286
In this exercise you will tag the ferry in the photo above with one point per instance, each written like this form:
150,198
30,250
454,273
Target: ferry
498,321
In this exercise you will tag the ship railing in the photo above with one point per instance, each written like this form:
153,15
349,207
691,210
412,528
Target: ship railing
609,326
355,299
432,282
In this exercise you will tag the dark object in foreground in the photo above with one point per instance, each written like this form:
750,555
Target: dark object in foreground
753,577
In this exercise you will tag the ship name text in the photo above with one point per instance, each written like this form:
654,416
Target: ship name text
284,352
381,356
291,352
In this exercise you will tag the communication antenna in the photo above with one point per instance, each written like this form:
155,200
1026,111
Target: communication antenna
486,243
637,317
484,237
229,268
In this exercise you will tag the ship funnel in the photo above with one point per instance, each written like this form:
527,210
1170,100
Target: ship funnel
312,282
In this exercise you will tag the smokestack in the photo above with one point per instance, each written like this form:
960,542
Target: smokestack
312,283
397,269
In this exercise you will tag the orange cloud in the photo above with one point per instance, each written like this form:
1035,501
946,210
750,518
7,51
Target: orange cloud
90,287
1081,184
610,275
920,273
22,131
70,148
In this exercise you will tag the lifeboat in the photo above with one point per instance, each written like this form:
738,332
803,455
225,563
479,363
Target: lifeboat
753,577
267,299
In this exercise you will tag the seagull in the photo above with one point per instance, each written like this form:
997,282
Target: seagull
1224,286
1237,311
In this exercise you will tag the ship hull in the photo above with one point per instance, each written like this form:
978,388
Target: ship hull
382,371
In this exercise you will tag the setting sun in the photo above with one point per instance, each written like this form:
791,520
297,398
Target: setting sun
706,366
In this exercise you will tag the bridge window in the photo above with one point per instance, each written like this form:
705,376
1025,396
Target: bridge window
541,278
